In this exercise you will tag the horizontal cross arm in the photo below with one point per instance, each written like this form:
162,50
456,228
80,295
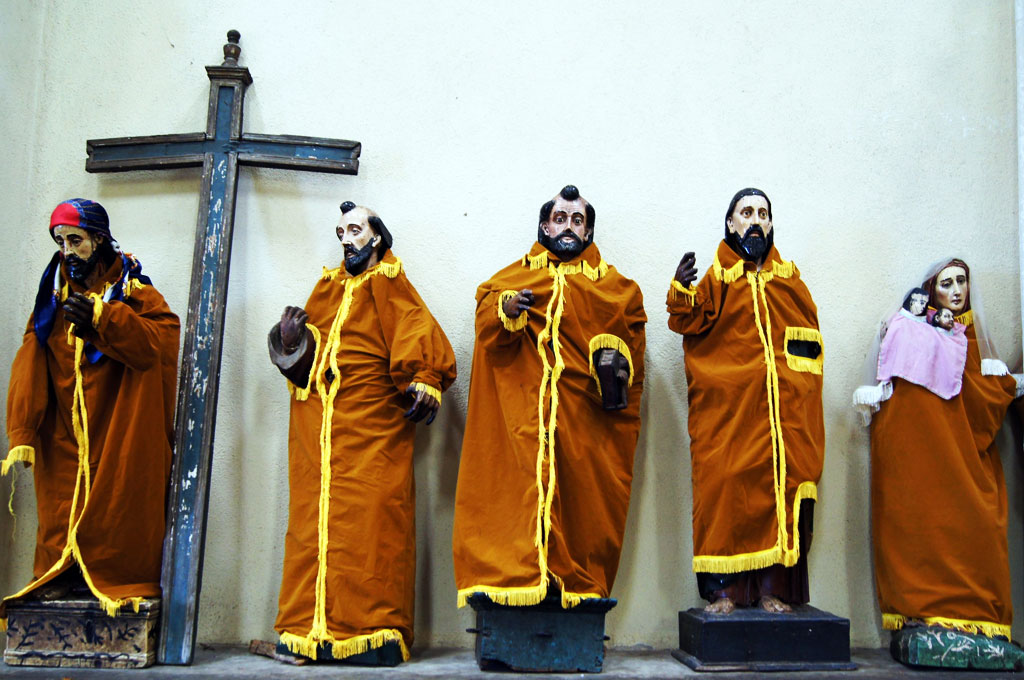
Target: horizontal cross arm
293,152
155,152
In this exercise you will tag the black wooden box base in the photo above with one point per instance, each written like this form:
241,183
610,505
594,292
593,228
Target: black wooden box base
388,654
750,639
77,633
541,638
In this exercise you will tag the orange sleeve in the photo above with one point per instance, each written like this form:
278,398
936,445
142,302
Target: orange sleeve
419,350
636,320
494,330
27,398
135,332
694,310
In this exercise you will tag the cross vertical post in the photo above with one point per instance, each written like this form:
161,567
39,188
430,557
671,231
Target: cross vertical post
220,151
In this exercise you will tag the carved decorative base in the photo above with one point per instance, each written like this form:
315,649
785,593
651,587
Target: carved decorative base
750,639
937,647
540,638
77,633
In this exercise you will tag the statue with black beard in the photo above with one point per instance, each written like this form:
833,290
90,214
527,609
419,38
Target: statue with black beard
753,357
554,414
365,361
93,409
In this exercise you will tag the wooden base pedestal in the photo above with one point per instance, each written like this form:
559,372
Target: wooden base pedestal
750,639
937,647
540,638
77,633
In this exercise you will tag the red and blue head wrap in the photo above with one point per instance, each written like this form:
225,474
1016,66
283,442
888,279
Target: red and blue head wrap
83,213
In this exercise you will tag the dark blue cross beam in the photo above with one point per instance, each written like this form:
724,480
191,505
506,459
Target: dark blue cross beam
220,150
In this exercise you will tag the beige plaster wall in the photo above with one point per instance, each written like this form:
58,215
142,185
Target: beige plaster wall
884,134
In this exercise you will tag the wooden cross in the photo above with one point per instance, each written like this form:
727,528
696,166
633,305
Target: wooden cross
219,150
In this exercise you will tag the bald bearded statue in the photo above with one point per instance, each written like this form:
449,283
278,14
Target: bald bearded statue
91,407
365,361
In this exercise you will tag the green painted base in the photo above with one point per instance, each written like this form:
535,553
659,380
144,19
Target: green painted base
937,647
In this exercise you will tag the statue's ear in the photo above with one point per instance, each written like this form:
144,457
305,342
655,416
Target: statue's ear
544,228
376,240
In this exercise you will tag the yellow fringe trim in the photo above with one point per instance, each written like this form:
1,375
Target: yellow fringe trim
388,269
570,600
609,341
341,649
967,318
727,276
19,454
785,269
805,364
542,261
897,621
302,393
510,324
424,387
511,597
677,289
328,360
132,285
3,625
783,552
731,564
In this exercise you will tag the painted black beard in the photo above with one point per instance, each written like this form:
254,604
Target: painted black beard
564,251
355,260
753,246
80,269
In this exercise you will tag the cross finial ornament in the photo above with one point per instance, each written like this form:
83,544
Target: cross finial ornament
232,49
220,150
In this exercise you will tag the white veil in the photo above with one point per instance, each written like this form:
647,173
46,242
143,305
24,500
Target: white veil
868,397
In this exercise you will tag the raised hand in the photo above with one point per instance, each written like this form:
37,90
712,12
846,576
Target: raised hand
514,306
293,327
686,272
423,405
78,310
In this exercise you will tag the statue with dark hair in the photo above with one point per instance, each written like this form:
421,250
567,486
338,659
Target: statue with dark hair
916,302
559,349
365,361
754,357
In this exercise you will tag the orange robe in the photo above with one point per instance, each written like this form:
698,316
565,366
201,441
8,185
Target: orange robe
757,434
102,457
938,503
350,551
545,473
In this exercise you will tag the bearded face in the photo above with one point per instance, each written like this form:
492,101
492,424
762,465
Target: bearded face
566,232
358,239
750,228
80,250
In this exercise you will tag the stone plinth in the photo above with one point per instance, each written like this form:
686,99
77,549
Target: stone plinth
542,637
77,633
937,647
750,639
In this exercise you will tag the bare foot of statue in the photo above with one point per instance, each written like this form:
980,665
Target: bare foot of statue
53,590
774,605
722,605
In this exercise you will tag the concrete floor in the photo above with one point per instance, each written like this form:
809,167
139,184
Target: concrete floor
235,662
